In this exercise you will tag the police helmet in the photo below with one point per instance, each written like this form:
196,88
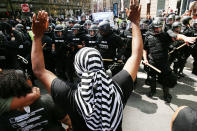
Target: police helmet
161,19
157,23
83,16
176,25
145,21
71,20
123,24
144,24
186,19
195,24
76,27
104,27
93,28
171,17
59,28
87,22
19,27
177,18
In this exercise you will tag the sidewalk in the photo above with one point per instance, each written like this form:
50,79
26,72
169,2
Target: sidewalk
145,114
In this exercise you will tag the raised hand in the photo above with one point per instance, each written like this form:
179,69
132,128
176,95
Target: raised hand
133,13
40,24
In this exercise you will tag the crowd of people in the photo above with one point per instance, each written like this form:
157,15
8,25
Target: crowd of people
88,67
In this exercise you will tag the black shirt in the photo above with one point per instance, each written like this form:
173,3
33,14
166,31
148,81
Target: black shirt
64,95
41,115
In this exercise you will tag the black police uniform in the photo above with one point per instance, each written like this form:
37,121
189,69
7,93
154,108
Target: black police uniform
60,55
194,54
47,48
91,41
127,41
156,46
186,50
73,41
8,53
109,47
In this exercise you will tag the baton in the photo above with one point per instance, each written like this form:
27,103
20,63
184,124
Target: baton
23,59
44,45
177,48
112,60
153,67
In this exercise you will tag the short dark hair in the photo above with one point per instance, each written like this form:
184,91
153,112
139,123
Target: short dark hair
13,83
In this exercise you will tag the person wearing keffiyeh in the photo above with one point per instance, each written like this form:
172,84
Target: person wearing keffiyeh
99,113
97,102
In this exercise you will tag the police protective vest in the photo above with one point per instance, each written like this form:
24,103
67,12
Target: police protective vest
91,41
108,45
157,47
60,44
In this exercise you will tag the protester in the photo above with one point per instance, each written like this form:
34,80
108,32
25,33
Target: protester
42,114
13,103
97,102
184,119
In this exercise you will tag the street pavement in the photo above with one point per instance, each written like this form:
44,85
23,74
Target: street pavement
145,114
142,113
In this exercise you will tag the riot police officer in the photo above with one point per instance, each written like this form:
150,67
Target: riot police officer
47,48
71,23
59,49
176,55
194,49
77,40
177,18
169,22
23,40
187,31
8,51
83,19
87,25
123,26
109,44
91,38
156,53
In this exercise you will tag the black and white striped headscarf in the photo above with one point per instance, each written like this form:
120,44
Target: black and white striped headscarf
98,97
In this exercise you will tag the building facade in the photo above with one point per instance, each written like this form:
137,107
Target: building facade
54,7
156,6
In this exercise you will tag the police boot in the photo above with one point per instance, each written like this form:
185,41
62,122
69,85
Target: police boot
180,73
175,70
148,80
152,80
152,91
194,71
167,96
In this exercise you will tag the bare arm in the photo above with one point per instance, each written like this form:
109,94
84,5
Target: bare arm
133,62
25,101
186,39
38,66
